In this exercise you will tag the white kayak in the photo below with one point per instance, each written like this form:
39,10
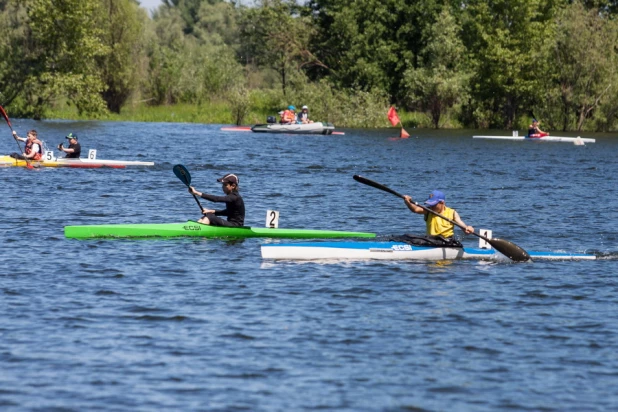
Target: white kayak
575,140
359,250
308,128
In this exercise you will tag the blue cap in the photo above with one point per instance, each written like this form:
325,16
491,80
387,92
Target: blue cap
291,108
435,197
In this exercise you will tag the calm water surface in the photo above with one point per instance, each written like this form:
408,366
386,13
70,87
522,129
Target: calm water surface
205,324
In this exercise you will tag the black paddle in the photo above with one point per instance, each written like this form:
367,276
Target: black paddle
508,249
6,117
183,174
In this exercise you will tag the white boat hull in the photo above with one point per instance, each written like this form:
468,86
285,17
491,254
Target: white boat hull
539,139
395,251
309,128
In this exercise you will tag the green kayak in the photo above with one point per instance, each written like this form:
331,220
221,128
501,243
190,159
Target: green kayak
192,228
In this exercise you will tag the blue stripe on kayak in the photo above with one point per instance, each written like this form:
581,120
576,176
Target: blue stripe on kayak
557,254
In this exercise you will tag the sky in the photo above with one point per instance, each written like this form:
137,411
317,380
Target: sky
150,4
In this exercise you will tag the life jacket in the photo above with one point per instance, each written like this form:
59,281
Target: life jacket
436,226
534,132
28,148
288,117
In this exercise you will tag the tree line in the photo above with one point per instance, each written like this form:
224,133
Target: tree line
471,63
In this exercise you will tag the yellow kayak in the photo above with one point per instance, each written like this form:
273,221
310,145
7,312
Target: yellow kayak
8,161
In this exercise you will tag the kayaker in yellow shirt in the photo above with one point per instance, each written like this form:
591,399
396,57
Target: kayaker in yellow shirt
436,226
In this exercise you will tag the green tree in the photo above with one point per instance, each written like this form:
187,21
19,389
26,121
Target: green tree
122,25
369,44
64,47
195,67
509,43
188,11
275,36
16,59
217,24
585,66
165,51
440,80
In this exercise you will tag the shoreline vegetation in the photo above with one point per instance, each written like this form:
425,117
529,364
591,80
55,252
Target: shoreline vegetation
221,113
443,64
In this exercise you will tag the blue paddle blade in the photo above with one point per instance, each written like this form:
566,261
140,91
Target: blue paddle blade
183,174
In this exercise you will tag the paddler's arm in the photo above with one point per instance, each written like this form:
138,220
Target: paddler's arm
65,149
212,198
23,139
196,193
410,203
456,218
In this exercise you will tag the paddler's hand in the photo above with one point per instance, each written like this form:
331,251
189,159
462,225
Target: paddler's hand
469,229
14,135
192,190
207,211
408,199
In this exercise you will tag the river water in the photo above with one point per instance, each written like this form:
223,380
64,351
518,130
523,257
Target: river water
205,324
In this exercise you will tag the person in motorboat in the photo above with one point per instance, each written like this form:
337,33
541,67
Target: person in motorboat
303,116
436,226
234,205
535,131
74,150
289,115
33,149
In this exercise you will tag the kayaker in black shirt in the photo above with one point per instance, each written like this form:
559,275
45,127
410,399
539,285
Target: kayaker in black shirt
74,150
303,116
535,131
234,205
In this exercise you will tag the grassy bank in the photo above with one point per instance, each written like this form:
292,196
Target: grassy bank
210,113
216,113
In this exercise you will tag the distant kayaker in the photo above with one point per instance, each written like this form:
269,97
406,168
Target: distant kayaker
535,131
234,205
303,116
289,115
33,149
74,150
436,226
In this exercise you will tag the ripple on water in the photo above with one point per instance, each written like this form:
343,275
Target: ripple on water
206,324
